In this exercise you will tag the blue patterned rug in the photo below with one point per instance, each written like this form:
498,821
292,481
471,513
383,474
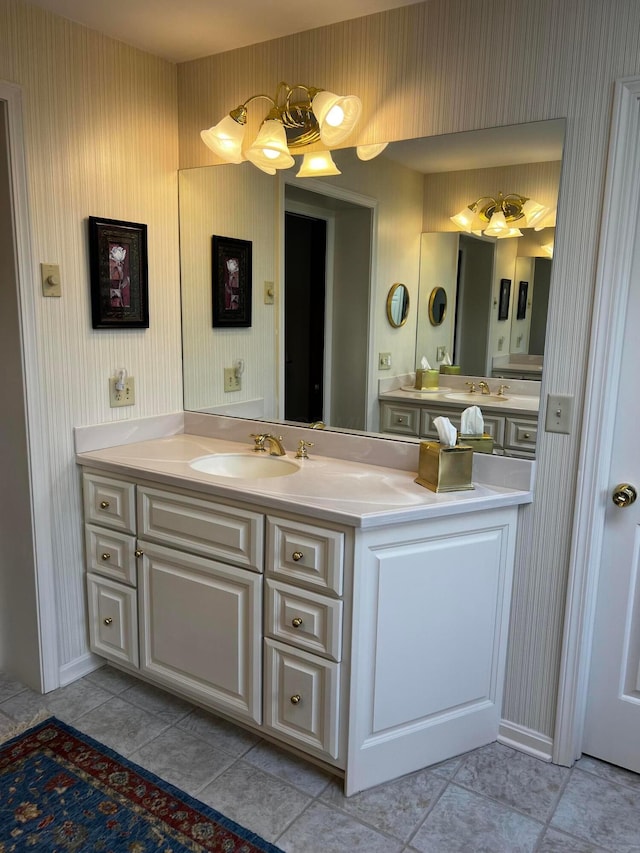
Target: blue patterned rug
61,791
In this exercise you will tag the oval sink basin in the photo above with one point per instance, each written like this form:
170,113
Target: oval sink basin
476,399
249,466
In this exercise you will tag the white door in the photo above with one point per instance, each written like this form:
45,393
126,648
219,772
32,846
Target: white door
612,725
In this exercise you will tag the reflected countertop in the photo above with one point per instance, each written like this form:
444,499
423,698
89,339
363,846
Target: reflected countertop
521,397
352,493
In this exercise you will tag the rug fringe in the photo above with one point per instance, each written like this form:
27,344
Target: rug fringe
19,728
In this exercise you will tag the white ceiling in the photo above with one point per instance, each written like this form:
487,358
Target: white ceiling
180,30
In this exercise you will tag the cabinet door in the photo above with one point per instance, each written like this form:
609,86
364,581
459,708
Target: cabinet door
200,629
113,622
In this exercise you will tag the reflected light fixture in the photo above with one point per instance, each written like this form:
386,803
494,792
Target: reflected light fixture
368,152
503,216
317,164
300,115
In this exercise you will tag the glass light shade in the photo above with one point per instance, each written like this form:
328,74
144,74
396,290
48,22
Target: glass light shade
468,220
368,152
497,226
547,249
269,149
337,115
535,217
531,210
547,221
225,139
317,165
510,232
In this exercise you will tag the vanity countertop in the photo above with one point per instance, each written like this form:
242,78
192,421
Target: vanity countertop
518,403
352,493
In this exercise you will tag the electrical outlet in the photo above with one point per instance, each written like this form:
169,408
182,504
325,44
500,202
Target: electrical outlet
231,379
384,361
559,413
440,353
126,397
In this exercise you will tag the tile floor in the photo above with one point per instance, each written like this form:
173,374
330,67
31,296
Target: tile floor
492,800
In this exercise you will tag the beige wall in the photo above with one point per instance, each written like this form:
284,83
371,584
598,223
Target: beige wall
453,65
100,137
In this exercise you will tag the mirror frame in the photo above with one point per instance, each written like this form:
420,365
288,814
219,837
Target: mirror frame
432,301
407,303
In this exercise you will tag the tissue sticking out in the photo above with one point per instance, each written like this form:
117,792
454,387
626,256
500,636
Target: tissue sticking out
472,431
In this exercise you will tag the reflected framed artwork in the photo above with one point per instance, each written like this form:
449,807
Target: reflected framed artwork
119,276
231,282
503,304
521,311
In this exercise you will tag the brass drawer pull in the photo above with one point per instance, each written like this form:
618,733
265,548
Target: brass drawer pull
297,556
527,435
106,556
108,620
297,622
138,553
104,504
295,699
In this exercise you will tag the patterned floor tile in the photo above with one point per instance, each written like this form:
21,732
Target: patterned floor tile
158,702
120,725
321,829
70,702
557,842
291,769
218,732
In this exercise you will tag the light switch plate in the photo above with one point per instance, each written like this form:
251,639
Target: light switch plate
268,293
384,361
559,416
232,380
50,277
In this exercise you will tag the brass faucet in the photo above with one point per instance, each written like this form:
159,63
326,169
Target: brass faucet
472,387
484,387
275,443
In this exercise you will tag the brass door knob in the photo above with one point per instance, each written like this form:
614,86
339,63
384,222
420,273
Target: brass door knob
295,699
108,620
104,504
297,622
138,553
297,556
106,556
624,494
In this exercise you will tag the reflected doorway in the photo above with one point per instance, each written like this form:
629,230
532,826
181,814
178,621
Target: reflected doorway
473,304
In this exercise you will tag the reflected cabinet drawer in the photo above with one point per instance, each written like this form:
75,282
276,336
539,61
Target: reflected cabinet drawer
404,420
306,554
113,620
521,434
301,697
109,502
304,619
111,554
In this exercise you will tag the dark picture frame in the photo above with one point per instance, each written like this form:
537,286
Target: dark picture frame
503,303
231,281
119,274
523,290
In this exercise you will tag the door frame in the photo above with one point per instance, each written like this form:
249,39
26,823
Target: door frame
613,280
37,424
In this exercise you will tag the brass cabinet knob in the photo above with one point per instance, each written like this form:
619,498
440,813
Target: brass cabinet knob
295,699
297,622
138,553
104,504
108,620
106,556
527,435
624,494
297,556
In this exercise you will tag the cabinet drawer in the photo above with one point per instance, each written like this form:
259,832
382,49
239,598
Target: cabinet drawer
305,553
521,434
111,554
493,424
399,419
113,621
109,502
304,619
301,697
202,527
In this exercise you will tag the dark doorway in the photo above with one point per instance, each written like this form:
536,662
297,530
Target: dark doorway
304,317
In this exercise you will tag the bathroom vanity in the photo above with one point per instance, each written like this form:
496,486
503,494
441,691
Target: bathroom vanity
342,611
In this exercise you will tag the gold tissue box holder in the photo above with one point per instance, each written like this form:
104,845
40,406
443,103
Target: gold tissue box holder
426,379
450,368
480,443
445,469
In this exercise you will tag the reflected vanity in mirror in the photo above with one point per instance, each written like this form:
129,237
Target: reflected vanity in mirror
437,306
398,305
378,217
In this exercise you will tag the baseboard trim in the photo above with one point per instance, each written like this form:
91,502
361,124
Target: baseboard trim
78,668
526,740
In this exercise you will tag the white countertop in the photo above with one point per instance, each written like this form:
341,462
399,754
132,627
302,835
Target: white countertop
517,403
352,493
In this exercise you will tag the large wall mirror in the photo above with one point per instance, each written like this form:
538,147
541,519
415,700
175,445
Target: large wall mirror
324,252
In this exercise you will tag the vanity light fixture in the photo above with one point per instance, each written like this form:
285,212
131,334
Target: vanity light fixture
503,216
300,115
317,164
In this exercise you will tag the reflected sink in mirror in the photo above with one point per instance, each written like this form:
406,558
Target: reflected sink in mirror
248,466
477,398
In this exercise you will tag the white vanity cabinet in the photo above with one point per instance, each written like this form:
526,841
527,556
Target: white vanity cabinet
376,648
513,434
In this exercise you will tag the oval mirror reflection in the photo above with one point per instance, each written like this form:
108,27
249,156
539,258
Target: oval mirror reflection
437,306
398,305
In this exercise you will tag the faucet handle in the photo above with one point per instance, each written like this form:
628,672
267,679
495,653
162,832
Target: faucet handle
301,453
501,390
258,439
472,387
